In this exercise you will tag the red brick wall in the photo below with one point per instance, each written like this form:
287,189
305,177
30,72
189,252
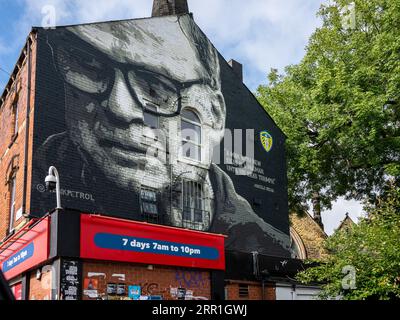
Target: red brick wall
12,150
159,281
255,291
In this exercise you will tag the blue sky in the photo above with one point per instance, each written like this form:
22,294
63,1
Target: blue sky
261,34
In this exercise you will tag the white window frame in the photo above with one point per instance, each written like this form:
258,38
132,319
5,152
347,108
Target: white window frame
199,145
204,204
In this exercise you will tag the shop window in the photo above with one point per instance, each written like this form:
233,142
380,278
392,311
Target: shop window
149,207
13,187
243,291
194,213
191,135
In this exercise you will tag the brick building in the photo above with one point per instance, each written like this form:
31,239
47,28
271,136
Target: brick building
307,237
143,120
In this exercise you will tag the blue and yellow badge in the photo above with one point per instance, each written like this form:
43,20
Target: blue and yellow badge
266,140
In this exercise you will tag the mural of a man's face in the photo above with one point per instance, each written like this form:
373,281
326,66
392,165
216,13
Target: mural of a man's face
113,73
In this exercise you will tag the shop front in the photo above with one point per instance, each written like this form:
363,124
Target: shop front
72,256
139,261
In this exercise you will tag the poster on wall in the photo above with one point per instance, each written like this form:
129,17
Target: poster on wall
121,289
90,288
181,293
146,122
111,289
70,279
135,292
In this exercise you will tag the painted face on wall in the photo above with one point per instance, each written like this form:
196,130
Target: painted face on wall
117,75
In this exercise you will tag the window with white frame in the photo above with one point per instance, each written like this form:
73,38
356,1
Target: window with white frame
13,187
194,203
191,135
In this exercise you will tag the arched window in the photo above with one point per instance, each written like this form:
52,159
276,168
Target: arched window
191,135
297,247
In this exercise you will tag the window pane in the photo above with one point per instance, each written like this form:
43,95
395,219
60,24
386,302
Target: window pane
148,195
190,115
191,132
198,215
16,119
150,119
193,201
187,214
150,208
191,151
149,201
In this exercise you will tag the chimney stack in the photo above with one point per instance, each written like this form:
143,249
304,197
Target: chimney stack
237,68
169,7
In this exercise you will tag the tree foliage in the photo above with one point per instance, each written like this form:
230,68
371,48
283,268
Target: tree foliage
371,248
340,106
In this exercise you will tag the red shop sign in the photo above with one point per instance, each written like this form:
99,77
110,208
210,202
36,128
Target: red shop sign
28,248
111,239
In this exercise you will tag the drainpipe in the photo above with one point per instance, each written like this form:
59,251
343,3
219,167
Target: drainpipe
27,120
263,288
256,272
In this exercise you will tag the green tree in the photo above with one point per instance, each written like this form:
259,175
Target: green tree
369,249
340,106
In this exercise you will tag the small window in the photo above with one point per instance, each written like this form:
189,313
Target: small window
243,291
297,248
13,187
16,114
191,135
148,199
194,213
151,120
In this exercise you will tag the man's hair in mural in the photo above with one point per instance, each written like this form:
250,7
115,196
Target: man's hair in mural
207,54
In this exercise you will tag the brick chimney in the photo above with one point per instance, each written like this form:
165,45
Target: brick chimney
169,7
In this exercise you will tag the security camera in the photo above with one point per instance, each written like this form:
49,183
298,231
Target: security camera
51,182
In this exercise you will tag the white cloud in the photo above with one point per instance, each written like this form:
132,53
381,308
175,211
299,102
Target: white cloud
86,11
261,34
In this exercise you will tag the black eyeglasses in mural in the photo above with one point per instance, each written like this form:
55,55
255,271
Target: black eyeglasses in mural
92,72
